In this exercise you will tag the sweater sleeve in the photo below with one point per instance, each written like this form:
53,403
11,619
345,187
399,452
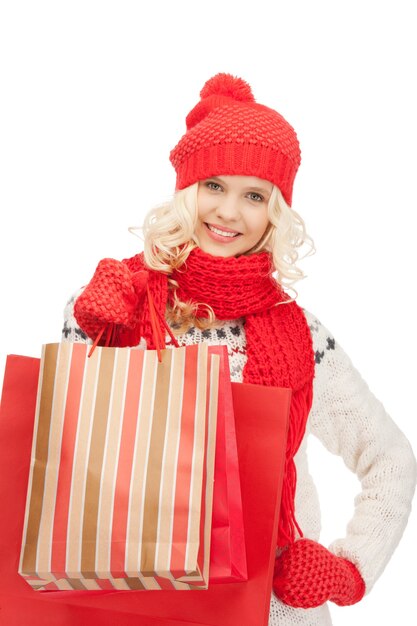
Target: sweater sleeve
71,331
352,423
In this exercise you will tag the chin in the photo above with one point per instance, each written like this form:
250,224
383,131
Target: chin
218,251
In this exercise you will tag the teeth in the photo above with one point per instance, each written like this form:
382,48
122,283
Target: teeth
221,232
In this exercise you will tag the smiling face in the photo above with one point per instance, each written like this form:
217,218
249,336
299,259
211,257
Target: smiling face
232,214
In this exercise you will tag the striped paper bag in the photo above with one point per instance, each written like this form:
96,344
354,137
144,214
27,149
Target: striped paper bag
121,480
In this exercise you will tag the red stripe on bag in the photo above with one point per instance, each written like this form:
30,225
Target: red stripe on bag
104,584
164,583
124,469
59,540
185,458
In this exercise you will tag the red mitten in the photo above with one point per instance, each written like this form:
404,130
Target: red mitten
308,575
112,296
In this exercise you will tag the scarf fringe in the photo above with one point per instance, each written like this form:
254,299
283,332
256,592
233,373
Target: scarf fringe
288,528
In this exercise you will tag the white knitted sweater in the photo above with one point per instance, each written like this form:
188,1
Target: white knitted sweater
350,422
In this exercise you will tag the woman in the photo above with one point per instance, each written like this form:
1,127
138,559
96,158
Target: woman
217,260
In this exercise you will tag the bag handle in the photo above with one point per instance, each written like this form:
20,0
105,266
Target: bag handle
158,322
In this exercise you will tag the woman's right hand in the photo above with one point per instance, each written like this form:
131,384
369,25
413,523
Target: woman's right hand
113,296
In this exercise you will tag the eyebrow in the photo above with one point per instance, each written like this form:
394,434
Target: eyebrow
260,190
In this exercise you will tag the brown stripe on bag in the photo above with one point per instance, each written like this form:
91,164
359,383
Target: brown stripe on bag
153,479
135,584
62,584
76,584
95,461
91,584
119,583
150,582
41,454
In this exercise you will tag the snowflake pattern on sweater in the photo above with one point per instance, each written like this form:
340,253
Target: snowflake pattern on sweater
350,422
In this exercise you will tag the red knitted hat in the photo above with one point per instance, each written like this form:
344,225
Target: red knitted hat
228,133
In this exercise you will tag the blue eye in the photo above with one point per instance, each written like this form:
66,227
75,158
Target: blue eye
256,197
213,186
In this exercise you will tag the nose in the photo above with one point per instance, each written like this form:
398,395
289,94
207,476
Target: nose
228,208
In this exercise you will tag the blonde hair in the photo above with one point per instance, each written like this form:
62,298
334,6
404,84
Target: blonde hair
168,233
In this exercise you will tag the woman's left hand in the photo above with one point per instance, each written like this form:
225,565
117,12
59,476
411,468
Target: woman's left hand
308,575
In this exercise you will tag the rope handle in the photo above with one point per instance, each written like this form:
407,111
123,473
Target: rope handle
158,322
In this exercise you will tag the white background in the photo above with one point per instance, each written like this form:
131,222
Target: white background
93,97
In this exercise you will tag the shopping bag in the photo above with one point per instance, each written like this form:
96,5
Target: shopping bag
261,422
121,480
228,554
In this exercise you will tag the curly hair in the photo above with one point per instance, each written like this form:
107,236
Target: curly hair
168,232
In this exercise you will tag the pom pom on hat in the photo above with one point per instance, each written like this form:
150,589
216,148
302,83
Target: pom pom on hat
219,91
229,133
228,85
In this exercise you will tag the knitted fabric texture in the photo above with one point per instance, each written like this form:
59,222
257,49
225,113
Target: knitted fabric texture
307,575
233,287
115,294
279,345
244,287
228,133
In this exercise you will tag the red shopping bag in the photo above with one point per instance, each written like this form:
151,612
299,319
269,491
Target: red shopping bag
228,555
261,423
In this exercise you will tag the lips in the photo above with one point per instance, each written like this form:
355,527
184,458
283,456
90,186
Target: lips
220,233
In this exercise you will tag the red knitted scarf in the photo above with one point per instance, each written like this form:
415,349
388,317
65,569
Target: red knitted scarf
279,345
